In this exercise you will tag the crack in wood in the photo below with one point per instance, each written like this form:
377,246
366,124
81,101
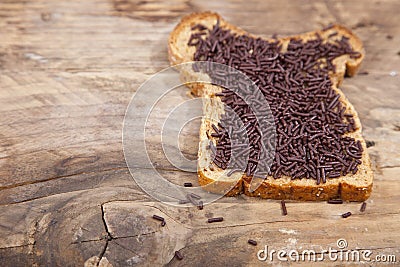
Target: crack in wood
18,246
86,241
249,224
56,178
60,118
122,246
131,236
73,145
389,167
81,173
137,192
108,236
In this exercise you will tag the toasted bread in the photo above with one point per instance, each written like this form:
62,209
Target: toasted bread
352,187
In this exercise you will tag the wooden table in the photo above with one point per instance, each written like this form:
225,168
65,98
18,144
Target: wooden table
67,72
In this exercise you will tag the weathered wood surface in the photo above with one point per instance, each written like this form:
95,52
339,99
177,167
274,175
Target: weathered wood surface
67,72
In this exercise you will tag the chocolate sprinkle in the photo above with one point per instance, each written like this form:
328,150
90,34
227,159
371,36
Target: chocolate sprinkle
217,219
192,199
252,242
347,214
363,206
163,223
310,120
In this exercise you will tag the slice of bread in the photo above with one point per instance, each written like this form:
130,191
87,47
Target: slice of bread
352,187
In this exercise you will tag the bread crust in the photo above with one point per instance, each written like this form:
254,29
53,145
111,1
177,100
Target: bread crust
352,187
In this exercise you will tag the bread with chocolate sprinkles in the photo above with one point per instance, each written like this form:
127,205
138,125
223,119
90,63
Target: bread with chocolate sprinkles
320,153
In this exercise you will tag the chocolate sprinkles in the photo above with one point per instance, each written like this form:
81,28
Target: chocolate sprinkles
310,120
178,255
193,195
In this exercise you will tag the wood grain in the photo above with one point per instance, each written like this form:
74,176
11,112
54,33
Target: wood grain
67,72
